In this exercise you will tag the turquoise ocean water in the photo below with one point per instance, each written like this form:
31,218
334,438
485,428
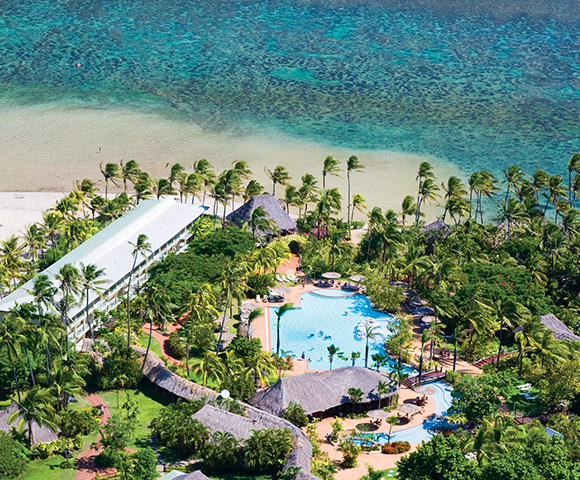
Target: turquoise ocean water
481,84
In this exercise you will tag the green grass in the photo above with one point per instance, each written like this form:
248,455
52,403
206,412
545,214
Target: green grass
155,345
520,404
384,472
230,476
48,469
150,404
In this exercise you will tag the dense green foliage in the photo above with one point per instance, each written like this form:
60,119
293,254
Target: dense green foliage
13,457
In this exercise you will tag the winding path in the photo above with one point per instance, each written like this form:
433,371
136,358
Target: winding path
86,468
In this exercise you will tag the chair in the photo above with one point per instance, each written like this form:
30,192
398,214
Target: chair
258,298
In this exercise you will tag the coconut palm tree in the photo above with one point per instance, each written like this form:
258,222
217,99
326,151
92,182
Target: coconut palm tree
192,185
33,240
129,172
371,332
528,335
330,167
279,314
176,173
513,213
425,172
513,179
211,367
111,173
12,338
260,221
358,204
140,247
356,395
35,407
66,383
91,280
424,340
382,389
308,190
332,351
253,189
454,190
278,175
205,170
427,193
291,197
257,313
11,251
69,281
162,187
354,356
408,208
353,164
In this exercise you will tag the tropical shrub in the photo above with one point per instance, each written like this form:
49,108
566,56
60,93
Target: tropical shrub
119,364
267,449
258,283
13,457
56,447
142,464
337,429
241,387
227,241
323,467
350,451
222,453
295,414
395,447
245,347
75,423
176,345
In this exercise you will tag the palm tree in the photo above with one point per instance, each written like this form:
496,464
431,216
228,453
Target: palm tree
408,208
69,279
382,389
111,173
513,179
279,314
330,167
176,173
356,395
129,172
352,165
358,204
392,420
370,333
11,258
36,407
205,170
279,175
253,189
66,383
34,240
144,187
291,197
90,280
192,184
140,247
332,351
528,335
257,313
425,172
162,187
457,334
211,367
513,212
454,190
12,338
555,191
573,166
427,193
308,190
354,356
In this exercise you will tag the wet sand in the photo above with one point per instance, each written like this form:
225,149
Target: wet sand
46,148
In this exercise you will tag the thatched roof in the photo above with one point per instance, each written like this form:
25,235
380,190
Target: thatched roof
220,420
275,212
320,391
438,226
156,371
39,434
561,331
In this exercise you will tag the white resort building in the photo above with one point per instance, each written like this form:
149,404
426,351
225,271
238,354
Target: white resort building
166,224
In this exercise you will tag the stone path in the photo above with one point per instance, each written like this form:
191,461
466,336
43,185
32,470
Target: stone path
163,340
86,468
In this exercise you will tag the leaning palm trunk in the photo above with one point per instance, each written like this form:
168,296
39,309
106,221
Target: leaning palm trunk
224,319
148,346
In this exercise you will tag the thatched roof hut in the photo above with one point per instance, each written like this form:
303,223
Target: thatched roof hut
175,475
39,434
561,331
319,392
438,226
276,213
220,420
156,371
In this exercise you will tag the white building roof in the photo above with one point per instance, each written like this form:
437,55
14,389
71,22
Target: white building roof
110,249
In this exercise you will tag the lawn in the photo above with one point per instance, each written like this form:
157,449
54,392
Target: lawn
518,403
388,473
150,404
155,345
48,469
241,477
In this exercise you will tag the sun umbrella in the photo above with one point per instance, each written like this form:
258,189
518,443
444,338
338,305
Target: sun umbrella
399,284
424,390
409,293
428,319
331,275
378,414
357,278
409,409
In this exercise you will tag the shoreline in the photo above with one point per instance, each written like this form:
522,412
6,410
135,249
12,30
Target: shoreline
46,148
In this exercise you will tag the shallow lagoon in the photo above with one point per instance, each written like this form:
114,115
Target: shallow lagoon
480,84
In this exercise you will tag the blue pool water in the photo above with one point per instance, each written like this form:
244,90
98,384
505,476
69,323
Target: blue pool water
422,432
480,84
326,320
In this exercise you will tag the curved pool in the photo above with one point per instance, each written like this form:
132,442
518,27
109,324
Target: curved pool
326,320
422,432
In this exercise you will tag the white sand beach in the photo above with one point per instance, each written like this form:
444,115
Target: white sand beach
47,148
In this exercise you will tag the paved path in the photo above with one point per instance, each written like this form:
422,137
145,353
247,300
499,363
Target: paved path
86,468
163,340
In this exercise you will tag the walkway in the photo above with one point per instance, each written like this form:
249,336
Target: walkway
86,468
164,342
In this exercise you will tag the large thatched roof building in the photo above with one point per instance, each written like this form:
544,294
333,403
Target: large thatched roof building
561,331
322,392
156,372
176,475
39,434
275,212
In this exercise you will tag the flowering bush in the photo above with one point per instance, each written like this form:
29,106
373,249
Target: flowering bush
395,447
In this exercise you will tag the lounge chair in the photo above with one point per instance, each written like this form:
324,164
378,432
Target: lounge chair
258,298
279,277
526,387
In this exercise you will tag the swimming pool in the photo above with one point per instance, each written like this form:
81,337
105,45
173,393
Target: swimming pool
327,317
422,432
